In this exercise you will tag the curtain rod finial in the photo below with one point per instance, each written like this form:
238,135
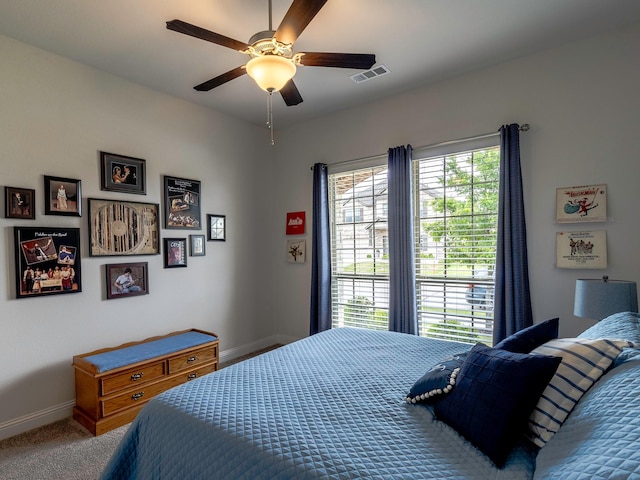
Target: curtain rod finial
524,127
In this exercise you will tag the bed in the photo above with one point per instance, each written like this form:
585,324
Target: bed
336,406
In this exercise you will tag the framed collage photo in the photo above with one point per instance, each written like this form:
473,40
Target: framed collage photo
119,173
47,261
216,228
19,203
182,203
196,246
123,228
62,196
175,252
127,279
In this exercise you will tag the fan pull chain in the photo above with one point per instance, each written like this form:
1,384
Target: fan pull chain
270,115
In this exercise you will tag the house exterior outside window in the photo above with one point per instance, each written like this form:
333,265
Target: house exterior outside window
456,205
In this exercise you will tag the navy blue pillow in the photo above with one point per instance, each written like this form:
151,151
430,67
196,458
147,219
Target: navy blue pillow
439,380
495,392
531,337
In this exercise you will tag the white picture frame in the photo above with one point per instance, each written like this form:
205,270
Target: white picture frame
582,204
296,251
581,250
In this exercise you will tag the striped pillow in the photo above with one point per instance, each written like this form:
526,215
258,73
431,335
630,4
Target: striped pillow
583,362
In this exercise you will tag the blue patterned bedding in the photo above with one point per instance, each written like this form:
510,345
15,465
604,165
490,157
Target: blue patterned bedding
599,440
330,406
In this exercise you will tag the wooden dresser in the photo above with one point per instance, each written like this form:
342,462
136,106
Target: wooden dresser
113,384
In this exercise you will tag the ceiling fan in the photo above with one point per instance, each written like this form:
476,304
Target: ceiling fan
273,62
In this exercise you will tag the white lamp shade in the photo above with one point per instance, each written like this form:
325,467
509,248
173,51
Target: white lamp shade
597,298
271,72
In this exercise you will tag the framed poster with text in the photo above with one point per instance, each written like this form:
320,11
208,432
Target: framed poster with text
47,261
587,203
581,249
182,203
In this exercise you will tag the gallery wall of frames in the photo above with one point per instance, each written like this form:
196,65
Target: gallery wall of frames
48,260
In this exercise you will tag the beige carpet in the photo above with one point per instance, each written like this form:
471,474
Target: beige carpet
64,450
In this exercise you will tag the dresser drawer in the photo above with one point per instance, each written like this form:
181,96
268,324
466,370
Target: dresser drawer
196,373
193,359
134,397
134,376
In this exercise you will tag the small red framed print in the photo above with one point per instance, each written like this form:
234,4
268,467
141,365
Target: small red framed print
295,223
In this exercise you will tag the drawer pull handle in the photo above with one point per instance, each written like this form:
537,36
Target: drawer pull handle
137,396
192,376
136,376
192,359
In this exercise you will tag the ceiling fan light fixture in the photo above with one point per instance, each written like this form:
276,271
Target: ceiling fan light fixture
271,72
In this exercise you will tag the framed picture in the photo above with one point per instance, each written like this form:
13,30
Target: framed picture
181,203
127,279
19,203
295,223
62,196
120,173
296,251
586,250
587,203
175,252
196,245
123,228
216,228
47,261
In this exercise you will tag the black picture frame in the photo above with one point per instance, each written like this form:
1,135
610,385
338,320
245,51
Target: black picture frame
48,261
120,228
182,200
197,246
19,203
175,252
216,228
121,173
62,196
134,283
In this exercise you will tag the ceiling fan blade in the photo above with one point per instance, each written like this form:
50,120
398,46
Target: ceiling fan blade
290,94
220,79
300,13
203,34
340,60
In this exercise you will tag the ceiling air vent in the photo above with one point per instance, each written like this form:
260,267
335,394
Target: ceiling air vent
369,74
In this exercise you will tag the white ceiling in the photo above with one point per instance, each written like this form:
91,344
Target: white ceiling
419,41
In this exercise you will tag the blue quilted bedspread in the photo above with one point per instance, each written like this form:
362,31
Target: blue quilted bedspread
599,440
330,406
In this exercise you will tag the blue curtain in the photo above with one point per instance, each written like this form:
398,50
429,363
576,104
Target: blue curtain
402,275
512,302
320,319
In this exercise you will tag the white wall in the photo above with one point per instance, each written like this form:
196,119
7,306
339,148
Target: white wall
55,116
582,103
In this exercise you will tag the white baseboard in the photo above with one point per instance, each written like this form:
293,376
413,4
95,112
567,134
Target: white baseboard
65,410
246,349
36,419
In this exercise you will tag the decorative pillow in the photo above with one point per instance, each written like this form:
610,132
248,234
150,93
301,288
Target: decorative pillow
494,394
623,325
531,337
583,362
439,380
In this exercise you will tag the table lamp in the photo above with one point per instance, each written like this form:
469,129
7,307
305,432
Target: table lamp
597,299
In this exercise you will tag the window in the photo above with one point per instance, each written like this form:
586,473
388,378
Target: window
456,204
360,264
456,233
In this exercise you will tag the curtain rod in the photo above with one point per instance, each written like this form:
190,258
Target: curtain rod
523,128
